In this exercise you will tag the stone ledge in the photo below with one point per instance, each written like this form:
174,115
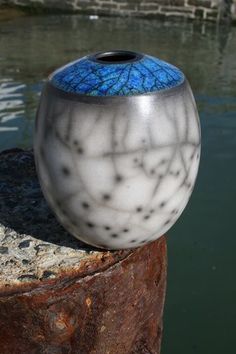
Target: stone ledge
193,9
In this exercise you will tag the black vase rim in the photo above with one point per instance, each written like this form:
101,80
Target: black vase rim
117,56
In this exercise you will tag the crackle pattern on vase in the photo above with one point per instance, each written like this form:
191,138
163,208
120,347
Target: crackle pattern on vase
118,172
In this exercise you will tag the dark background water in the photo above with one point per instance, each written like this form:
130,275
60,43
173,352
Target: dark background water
200,311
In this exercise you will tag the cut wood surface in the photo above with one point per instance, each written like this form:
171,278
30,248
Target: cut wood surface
58,295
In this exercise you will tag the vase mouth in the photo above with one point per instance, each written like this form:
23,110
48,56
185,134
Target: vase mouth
116,57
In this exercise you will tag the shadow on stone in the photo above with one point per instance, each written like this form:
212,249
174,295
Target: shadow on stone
23,208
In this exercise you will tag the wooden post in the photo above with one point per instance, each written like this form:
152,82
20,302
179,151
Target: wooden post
60,296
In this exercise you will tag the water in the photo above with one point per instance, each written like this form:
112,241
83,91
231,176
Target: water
200,310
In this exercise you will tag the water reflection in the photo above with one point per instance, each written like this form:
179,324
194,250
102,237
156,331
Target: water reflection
16,113
11,110
32,47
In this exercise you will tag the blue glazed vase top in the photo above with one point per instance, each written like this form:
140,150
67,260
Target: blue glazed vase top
116,73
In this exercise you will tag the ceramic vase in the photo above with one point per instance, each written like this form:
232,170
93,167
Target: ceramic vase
117,147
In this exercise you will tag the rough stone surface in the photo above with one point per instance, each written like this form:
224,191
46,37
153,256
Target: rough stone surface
60,296
32,241
191,9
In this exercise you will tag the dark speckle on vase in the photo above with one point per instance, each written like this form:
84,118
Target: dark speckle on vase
90,224
85,205
177,173
106,197
152,171
75,142
143,241
118,178
65,171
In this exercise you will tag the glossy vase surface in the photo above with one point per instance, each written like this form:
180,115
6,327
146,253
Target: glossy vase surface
117,147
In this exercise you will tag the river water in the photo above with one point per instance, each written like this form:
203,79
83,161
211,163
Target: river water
200,311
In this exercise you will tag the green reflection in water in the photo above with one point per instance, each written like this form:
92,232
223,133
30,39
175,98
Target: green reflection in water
200,307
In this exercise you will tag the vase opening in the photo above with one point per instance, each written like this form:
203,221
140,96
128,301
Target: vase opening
116,57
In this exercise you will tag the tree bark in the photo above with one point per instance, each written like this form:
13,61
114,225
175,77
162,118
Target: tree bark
59,296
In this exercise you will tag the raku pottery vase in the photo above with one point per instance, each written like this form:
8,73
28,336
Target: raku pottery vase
117,147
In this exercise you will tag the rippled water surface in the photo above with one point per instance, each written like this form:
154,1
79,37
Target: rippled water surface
200,310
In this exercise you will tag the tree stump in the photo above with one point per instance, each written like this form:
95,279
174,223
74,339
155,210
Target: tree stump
58,295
